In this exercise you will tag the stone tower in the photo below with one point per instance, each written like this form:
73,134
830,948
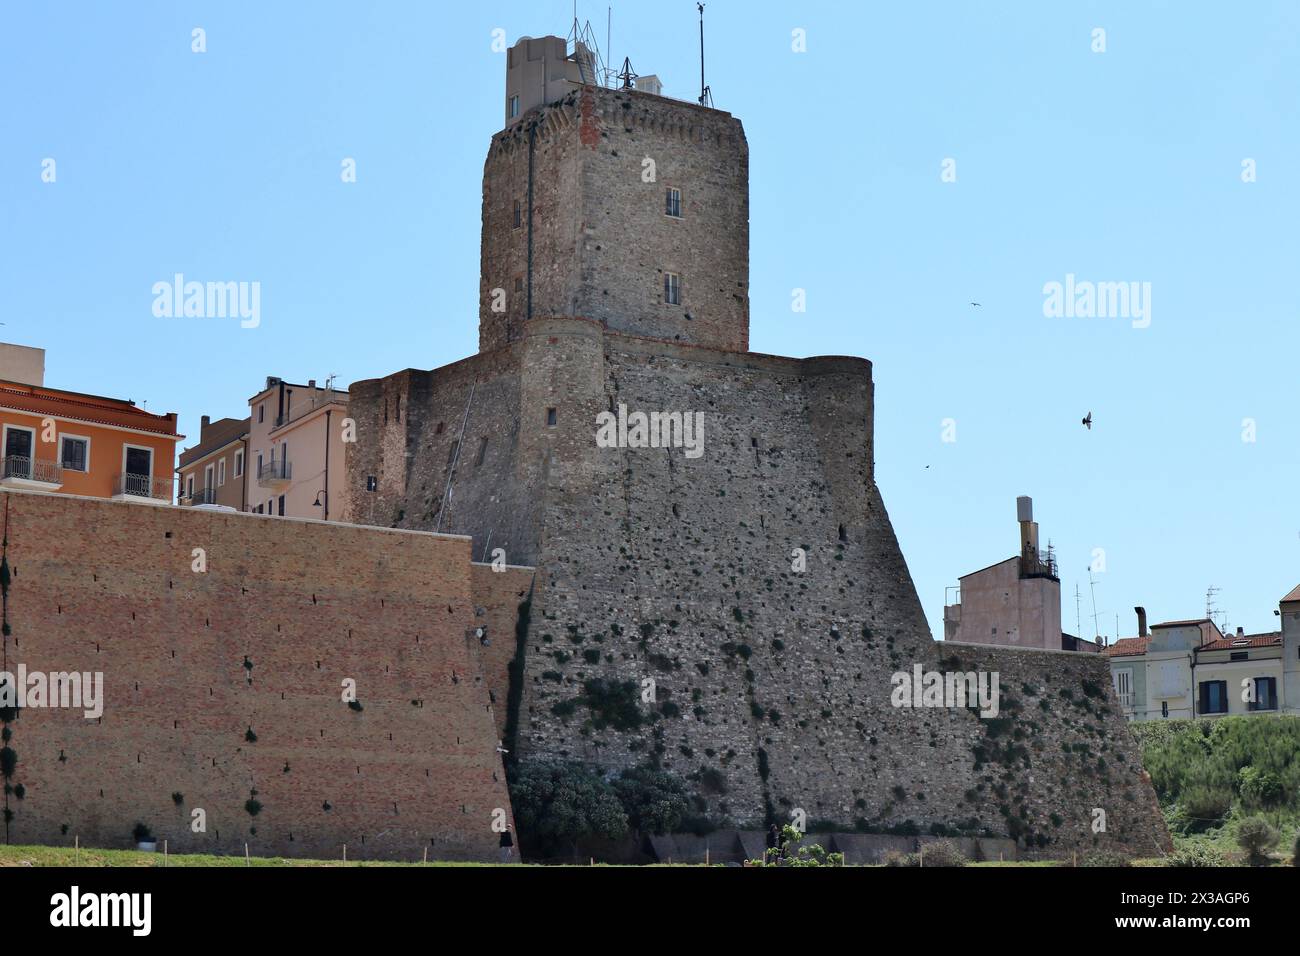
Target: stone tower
757,587
615,205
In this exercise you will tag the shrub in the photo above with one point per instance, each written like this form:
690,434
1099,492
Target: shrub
1257,837
1197,854
654,800
556,803
942,853
1258,787
1103,858
898,858
253,807
612,704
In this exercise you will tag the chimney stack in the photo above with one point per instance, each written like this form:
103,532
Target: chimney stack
204,422
1028,526
1241,632
1142,621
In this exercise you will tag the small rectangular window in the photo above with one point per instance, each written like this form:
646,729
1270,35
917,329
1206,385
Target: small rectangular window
261,414
482,452
514,106
519,216
74,454
239,464
674,203
1239,656
189,486
672,289
221,472
372,483
550,418
282,506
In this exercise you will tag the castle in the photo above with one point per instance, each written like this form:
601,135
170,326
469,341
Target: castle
735,617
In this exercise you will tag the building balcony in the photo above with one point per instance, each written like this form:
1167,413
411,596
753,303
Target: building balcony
1125,703
34,473
142,489
275,474
202,496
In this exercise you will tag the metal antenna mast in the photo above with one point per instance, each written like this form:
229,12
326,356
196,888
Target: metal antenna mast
706,97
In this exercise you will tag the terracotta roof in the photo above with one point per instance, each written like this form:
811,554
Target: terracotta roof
1234,643
1293,596
38,400
218,434
1199,620
1127,647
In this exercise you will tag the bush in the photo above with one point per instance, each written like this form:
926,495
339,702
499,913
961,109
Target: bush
1205,807
1259,788
557,803
897,858
1197,854
654,800
1257,837
792,854
942,853
1103,858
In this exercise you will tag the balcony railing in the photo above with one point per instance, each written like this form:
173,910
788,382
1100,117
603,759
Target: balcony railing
142,486
204,496
1125,701
33,469
1038,564
275,472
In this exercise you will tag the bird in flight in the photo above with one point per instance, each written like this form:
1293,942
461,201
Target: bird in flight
1088,421
977,305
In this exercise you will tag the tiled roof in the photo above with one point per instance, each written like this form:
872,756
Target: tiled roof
217,435
1127,647
1294,595
1234,643
1199,620
95,409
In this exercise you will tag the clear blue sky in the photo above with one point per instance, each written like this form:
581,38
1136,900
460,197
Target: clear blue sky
1117,166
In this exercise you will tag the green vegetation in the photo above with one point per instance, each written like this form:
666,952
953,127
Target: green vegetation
1229,787
790,853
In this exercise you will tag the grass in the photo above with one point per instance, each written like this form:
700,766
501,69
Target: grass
68,856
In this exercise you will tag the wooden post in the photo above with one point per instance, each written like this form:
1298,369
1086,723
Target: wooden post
345,854
426,854
77,856
247,861
164,853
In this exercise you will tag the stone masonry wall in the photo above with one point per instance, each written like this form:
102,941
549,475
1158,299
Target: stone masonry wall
601,237
771,686
260,642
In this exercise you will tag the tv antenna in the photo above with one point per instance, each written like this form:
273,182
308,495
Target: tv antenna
1211,609
706,96
1092,586
582,34
628,74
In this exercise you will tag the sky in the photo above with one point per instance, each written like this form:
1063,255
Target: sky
908,161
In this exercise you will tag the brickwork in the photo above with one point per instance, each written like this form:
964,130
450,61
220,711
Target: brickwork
497,596
261,642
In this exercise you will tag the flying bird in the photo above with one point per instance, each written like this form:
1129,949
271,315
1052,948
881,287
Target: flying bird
1088,421
977,305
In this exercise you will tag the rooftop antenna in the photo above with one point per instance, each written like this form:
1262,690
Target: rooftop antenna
1092,586
706,97
1078,617
628,75
1211,609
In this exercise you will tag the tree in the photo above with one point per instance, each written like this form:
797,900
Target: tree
556,803
791,854
654,800
1257,838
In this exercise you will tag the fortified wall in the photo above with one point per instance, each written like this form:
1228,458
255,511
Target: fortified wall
733,613
224,641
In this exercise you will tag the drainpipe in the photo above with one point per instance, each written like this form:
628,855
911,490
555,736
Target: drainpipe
328,411
532,140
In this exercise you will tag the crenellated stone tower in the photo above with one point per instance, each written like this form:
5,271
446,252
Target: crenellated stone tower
758,588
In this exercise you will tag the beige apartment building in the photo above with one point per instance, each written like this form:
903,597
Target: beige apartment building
295,450
213,472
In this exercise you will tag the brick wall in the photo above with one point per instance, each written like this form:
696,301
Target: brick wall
109,587
497,596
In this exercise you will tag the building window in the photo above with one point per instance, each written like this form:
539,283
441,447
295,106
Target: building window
75,453
1164,708
674,203
239,464
1239,656
672,289
189,487
519,285
482,452
372,483
1265,694
518,217
550,418
261,413
282,506
514,106
259,464
221,472
1214,697
208,485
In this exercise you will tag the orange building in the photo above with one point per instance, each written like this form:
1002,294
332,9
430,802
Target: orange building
78,444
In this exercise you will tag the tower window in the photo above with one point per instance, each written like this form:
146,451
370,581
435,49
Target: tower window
550,418
518,216
514,106
672,289
482,451
674,203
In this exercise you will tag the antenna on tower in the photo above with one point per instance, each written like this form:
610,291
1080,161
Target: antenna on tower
1211,609
706,96
628,74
